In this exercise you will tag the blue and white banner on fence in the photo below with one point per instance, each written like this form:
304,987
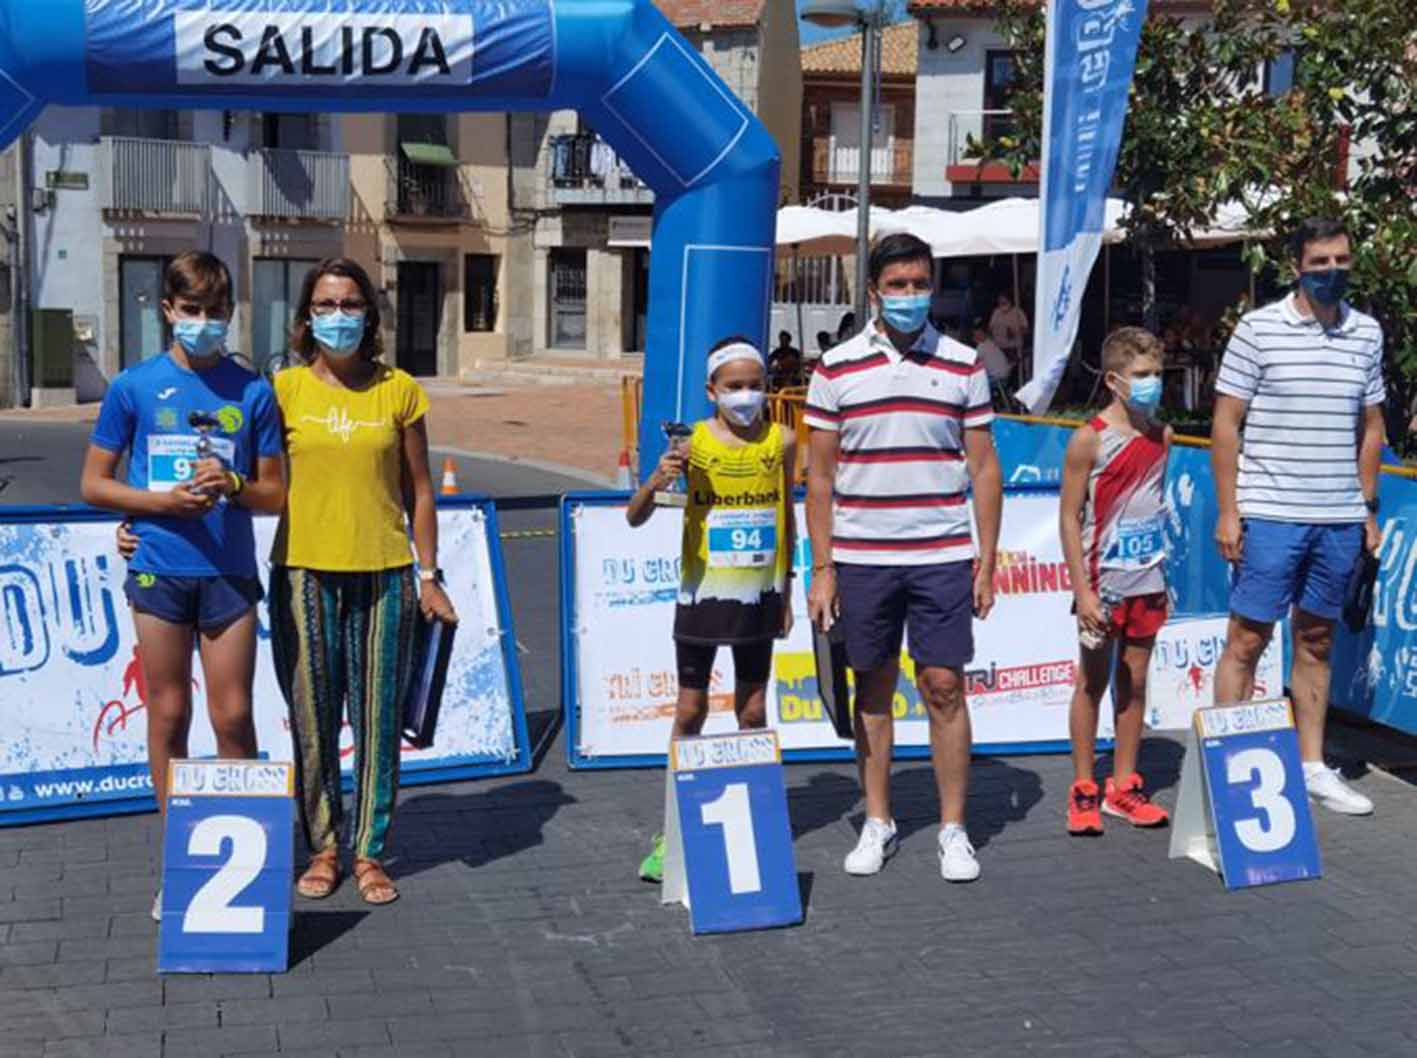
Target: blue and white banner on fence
1375,671
620,586
72,693
1091,53
1199,579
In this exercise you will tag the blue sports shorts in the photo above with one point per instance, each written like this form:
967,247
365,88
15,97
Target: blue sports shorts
208,603
1284,564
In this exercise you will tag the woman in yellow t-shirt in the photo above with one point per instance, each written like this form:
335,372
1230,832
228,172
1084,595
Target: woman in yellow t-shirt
344,600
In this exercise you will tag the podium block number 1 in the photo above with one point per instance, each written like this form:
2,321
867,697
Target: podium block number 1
728,846
210,910
732,812
1274,829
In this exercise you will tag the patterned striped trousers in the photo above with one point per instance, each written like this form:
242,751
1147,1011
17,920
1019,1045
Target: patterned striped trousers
344,640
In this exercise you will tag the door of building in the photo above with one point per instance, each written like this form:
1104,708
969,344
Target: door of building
420,313
568,298
142,327
641,313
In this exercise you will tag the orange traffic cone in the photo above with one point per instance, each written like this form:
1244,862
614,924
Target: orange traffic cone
622,472
450,477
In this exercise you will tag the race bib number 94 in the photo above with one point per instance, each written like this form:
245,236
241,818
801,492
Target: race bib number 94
742,538
172,459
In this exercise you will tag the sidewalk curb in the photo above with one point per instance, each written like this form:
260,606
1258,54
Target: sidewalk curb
563,469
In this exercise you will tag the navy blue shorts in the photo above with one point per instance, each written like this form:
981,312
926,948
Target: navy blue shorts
935,604
1284,564
208,603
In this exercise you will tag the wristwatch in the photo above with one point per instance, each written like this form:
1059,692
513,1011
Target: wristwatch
1372,505
431,576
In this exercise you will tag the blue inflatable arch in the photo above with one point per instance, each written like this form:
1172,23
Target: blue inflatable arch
713,166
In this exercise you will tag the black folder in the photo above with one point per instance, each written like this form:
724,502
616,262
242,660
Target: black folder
430,673
1358,597
829,650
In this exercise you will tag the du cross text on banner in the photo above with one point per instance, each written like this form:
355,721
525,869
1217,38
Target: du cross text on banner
1091,52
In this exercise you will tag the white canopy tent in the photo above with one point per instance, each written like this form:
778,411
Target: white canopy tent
1008,227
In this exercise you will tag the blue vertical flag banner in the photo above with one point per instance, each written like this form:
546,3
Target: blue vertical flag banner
1091,53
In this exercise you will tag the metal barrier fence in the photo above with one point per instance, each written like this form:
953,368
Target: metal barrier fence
784,407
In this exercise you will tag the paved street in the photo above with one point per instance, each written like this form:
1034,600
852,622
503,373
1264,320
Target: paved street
523,930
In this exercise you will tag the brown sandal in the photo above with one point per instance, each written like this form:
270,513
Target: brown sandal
321,877
374,885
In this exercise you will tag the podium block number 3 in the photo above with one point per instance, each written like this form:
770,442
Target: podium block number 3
1278,826
730,810
210,910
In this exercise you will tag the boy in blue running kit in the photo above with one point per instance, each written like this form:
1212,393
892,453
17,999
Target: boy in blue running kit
193,577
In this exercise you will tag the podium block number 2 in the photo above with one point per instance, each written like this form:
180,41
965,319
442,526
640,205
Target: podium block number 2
210,910
731,811
1277,827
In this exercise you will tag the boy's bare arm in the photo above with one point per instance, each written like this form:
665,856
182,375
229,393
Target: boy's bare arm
1077,466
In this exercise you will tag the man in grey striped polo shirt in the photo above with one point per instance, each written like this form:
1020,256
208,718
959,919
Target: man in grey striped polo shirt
1298,437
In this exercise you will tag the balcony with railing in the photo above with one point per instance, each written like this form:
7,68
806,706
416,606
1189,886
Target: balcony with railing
426,192
299,185
585,171
969,130
155,176
891,164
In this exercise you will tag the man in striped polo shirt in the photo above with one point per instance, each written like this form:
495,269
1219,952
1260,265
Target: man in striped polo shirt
899,419
1302,384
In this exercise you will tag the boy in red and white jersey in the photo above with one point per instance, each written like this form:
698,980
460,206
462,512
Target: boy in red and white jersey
1113,526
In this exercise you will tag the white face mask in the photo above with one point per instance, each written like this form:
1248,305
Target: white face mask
741,406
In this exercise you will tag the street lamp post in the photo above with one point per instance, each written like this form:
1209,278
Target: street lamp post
868,14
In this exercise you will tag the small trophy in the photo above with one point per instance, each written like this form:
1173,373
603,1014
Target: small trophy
204,423
678,434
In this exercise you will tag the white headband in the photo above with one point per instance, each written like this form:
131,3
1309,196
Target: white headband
730,353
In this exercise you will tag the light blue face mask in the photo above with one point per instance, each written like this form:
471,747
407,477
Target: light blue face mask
339,333
201,338
906,313
1145,395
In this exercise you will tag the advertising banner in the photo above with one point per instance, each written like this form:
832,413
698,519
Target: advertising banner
1182,675
620,586
279,47
1375,671
1090,54
72,694
1199,579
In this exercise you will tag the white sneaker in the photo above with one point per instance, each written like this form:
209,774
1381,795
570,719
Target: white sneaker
1327,787
157,907
876,845
957,862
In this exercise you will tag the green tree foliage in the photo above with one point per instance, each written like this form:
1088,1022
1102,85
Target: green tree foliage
1208,127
